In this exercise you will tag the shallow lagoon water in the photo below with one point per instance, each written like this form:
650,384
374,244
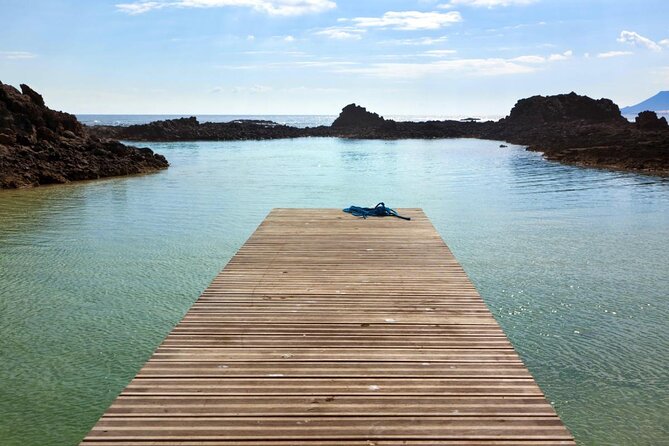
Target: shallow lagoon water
574,264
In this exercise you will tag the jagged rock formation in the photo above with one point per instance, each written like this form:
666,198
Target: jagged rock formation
648,120
356,117
579,130
539,110
42,146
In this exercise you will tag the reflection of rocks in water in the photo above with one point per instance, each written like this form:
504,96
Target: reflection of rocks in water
42,146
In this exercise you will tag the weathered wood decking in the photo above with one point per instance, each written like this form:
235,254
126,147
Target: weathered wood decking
325,329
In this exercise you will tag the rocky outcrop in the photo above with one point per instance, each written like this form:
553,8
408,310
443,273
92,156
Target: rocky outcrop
42,146
563,108
356,117
190,129
648,120
578,130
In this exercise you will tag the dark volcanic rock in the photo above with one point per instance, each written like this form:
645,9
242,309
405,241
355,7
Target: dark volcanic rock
356,117
648,120
42,146
570,107
189,129
580,130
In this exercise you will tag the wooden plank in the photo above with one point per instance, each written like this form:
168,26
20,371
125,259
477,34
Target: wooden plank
325,329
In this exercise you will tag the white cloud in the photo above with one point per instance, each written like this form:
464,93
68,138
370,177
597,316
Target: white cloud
529,59
419,41
535,60
17,55
275,53
563,56
439,53
140,7
634,38
472,67
610,54
409,20
490,3
664,42
289,39
466,67
250,37
253,89
341,33
322,63
272,7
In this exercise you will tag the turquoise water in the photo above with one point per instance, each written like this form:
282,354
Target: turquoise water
574,263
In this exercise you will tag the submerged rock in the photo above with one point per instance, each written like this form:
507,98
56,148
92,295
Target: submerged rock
43,146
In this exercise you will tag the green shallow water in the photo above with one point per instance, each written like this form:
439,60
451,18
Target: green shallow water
574,264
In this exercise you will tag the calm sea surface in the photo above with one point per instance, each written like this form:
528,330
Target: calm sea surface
574,264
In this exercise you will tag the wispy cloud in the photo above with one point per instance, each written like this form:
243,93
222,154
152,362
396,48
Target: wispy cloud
330,64
417,41
464,67
529,59
271,7
253,89
535,59
637,39
274,53
472,67
487,3
409,20
17,55
341,32
439,53
141,7
610,54
562,56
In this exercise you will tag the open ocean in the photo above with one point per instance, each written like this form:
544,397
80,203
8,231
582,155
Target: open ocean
291,120
572,262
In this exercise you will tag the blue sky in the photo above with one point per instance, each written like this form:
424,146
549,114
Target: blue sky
456,57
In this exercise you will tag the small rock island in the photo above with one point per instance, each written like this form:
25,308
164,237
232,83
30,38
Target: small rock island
42,146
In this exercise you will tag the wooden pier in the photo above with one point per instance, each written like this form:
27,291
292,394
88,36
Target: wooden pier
327,329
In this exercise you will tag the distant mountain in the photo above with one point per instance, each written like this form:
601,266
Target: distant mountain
658,103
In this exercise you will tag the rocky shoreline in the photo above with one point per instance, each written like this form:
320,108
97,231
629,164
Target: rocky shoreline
568,128
41,146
